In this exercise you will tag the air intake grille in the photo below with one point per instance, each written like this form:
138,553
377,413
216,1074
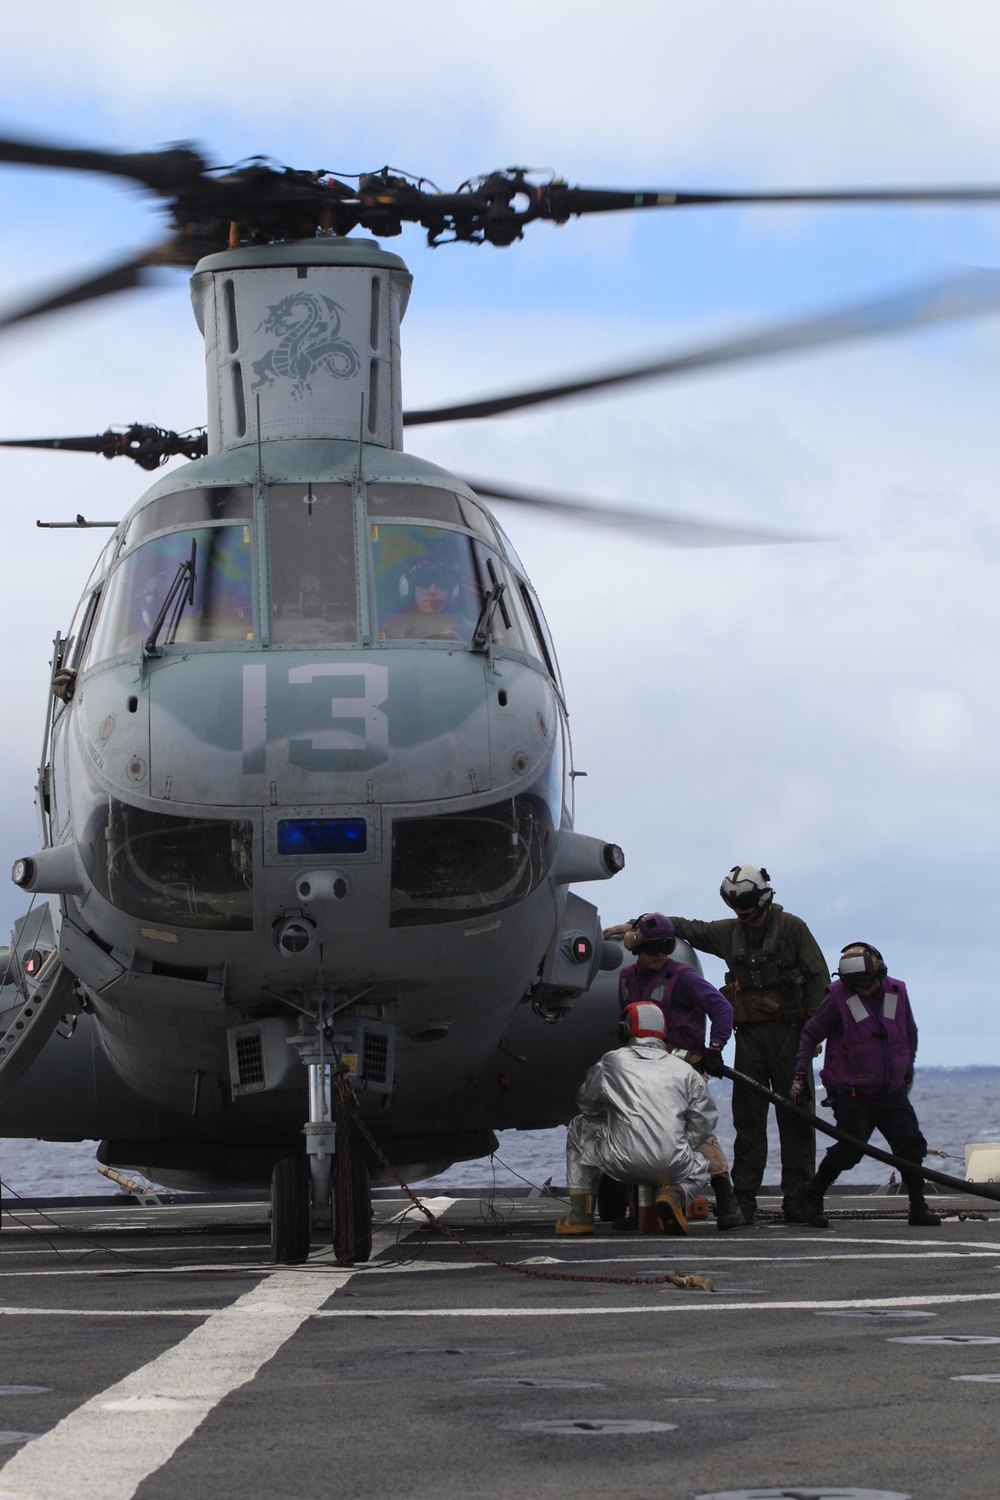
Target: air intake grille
249,1061
376,1057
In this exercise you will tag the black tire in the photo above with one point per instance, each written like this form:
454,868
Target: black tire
361,1204
290,1211
612,1199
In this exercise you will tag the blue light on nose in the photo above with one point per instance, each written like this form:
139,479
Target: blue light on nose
322,836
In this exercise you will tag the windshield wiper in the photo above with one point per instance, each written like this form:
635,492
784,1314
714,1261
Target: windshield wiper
177,595
481,634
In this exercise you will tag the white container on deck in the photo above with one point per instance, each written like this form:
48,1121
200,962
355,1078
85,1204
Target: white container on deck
982,1162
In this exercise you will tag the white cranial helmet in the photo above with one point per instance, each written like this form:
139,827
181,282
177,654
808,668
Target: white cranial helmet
747,888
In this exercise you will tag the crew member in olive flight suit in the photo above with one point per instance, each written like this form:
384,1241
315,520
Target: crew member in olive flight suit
776,980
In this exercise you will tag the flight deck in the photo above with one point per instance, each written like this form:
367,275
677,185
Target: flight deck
155,1351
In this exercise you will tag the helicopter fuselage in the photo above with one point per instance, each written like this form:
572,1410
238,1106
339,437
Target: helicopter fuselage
373,821
308,754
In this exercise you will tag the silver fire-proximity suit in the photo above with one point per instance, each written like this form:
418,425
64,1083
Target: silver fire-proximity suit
643,1115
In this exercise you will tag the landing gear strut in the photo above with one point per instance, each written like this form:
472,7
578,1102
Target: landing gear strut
320,1189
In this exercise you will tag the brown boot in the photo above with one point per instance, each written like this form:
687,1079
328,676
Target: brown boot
580,1219
671,1209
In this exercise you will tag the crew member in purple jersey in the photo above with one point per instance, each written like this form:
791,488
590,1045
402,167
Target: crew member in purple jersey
871,1042
688,1003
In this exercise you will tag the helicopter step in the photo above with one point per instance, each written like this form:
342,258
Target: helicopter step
31,1023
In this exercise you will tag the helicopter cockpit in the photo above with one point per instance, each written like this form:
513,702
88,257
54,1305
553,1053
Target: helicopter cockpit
212,527
432,581
436,562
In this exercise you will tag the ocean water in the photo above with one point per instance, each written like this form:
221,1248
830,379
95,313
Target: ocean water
955,1106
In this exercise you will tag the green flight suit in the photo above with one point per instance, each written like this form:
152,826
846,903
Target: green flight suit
780,978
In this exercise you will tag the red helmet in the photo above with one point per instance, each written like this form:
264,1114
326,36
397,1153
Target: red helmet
642,1018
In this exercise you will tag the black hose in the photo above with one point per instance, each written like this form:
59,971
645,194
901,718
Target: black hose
978,1189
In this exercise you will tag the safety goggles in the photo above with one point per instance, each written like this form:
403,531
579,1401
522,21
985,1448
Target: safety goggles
657,946
424,574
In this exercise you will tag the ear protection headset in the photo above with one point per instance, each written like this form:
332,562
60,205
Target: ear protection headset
651,927
641,1019
424,571
876,968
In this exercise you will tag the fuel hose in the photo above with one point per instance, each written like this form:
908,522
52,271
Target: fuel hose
930,1174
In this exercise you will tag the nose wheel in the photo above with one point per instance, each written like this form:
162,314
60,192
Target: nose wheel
291,1213
353,1221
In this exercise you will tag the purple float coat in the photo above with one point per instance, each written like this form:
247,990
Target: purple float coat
871,1041
686,999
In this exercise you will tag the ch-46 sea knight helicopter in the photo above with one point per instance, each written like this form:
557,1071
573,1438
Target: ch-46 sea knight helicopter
305,797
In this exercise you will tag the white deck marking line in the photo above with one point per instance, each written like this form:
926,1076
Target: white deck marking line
685,1302
705,1243
90,1251
109,1452
696,1303
107,1312
437,1206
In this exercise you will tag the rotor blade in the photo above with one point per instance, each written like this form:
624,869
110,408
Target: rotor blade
670,530
557,200
965,294
168,170
121,278
149,447
100,443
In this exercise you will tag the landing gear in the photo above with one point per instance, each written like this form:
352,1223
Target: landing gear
360,1220
290,1211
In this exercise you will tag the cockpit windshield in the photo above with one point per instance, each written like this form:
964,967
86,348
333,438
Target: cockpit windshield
222,605
313,584
431,585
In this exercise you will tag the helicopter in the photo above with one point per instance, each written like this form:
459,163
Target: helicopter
305,799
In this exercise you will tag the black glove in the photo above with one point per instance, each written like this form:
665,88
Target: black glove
711,1062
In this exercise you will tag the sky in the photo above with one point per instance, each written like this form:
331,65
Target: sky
827,709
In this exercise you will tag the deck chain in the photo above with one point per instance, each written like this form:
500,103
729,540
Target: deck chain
682,1279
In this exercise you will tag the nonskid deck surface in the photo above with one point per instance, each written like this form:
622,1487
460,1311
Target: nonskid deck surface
155,1351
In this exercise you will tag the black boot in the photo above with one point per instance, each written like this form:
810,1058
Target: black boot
806,1206
612,1199
747,1207
626,1205
728,1214
921,1216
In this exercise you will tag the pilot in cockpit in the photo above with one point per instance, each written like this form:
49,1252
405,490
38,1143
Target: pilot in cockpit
431,588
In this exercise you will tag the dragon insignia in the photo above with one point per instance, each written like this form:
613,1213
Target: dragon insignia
308,330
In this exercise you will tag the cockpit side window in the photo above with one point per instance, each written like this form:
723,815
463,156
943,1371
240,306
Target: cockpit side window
222,607
198,507
541,632
313,574
79,631
424,502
